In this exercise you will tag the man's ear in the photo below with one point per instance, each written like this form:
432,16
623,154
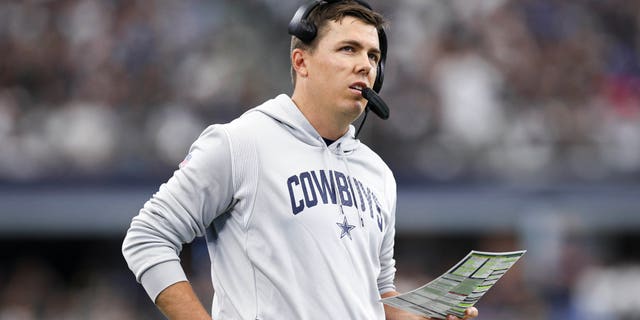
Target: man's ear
299,61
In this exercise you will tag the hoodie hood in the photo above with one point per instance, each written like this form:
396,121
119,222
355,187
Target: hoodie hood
283,110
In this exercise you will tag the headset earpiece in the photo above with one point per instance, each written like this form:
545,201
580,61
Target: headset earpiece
300,26
382,38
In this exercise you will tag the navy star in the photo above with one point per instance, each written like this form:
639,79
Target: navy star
345,228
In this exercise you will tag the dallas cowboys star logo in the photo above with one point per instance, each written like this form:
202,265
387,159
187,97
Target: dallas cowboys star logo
345,228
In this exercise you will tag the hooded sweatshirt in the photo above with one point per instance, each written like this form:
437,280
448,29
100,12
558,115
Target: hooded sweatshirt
295,229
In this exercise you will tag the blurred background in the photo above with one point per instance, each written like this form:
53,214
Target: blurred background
515,124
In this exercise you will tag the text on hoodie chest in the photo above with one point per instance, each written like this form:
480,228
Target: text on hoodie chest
311,188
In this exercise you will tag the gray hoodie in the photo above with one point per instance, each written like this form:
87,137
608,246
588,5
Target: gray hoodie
295,229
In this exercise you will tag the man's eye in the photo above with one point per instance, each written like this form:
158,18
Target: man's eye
374,57
348,49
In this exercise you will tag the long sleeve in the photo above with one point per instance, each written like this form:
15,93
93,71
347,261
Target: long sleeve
182,209
387,262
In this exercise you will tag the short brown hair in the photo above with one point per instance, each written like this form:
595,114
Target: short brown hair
334,11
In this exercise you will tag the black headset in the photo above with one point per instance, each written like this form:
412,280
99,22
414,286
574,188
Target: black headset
306,31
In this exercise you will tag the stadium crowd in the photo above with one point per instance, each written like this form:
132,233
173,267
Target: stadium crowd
507,90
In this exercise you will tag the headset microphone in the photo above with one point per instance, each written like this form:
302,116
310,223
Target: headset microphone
376,104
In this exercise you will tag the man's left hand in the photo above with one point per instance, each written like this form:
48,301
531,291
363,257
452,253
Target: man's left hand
470,313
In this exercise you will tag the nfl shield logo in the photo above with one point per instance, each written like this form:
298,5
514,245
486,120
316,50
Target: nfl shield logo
185,161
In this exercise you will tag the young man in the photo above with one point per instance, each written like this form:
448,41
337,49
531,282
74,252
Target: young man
298,215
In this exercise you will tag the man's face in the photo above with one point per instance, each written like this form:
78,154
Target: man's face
345,60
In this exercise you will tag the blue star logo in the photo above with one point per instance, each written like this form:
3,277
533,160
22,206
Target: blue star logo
345,228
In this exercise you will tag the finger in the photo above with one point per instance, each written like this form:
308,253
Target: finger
471,312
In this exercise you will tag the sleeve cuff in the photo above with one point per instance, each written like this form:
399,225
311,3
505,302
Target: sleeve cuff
386,289
160,276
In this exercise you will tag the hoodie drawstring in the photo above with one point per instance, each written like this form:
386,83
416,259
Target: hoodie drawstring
349,176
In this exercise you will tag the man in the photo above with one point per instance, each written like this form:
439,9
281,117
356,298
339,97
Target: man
298,215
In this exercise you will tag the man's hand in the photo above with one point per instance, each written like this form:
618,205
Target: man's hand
392,313
470,313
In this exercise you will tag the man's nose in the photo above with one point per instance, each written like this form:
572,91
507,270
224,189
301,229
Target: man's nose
364,65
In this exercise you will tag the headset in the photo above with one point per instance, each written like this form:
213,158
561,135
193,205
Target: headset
306,31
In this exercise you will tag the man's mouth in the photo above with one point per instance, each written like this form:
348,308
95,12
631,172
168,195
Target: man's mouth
358,86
